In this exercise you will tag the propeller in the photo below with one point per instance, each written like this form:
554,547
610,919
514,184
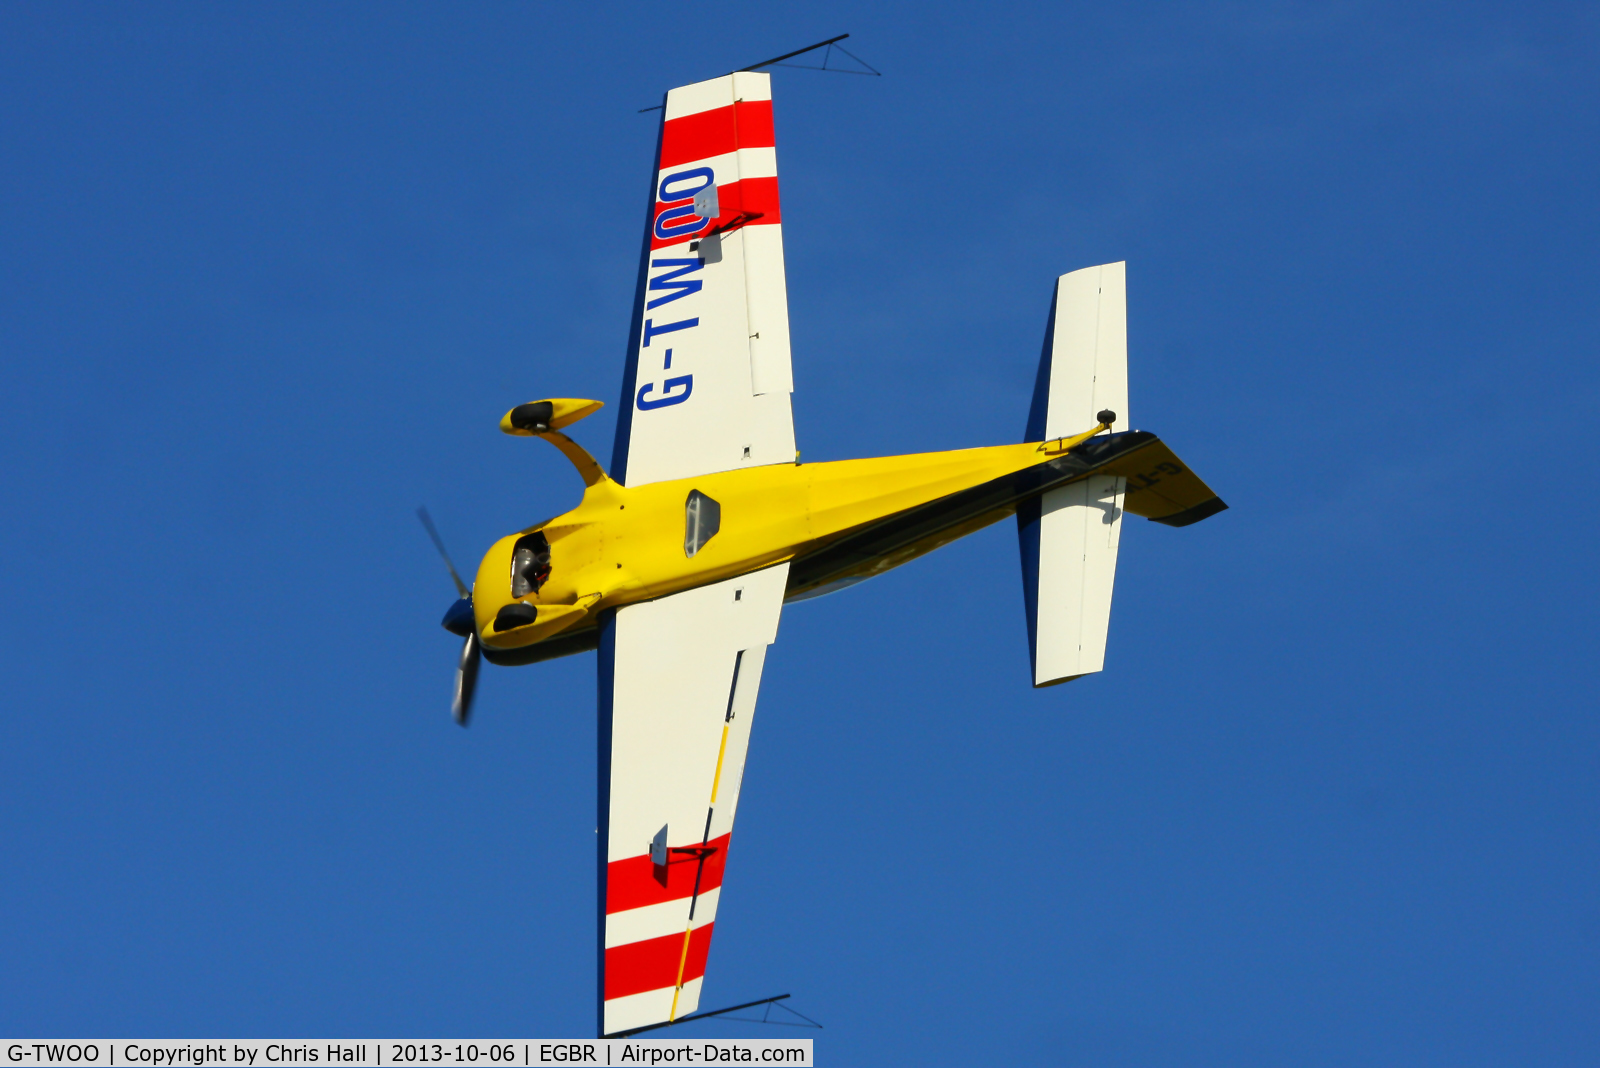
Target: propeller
458,620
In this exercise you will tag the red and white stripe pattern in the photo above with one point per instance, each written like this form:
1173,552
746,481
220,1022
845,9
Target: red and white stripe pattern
712,368
684,672
726,125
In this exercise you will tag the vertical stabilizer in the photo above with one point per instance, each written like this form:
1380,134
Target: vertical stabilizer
1069,536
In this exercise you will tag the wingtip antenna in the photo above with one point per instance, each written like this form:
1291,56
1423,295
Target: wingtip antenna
765,1017
778,61
830,44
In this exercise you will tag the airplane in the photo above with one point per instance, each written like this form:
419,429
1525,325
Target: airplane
677,562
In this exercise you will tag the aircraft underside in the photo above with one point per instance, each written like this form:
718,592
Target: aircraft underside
676,563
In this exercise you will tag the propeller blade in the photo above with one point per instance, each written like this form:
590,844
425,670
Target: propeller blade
466,680
438,543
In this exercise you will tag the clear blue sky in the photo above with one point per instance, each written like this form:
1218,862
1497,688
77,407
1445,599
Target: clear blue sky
271,273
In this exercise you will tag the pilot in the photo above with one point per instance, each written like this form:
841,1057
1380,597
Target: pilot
530,565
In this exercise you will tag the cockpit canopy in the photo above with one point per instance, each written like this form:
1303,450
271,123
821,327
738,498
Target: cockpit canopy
530,564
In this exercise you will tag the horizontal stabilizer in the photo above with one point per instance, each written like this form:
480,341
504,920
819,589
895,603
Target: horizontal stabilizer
1069,535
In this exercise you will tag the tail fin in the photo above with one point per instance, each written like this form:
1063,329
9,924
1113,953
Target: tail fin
1069,535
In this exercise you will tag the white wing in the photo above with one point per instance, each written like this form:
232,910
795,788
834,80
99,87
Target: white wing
708,376
678,682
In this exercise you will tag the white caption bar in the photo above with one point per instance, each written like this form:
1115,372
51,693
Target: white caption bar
401,1053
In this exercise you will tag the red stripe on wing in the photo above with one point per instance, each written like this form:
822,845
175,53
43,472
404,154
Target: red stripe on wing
756,195
753,195
632,883
653,963
747,124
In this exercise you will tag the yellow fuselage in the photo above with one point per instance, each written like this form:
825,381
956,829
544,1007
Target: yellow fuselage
624,544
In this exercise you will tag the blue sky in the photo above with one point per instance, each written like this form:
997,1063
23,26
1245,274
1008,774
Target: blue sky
272,273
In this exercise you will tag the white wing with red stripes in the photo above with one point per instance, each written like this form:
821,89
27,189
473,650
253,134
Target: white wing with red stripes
708,376
678,682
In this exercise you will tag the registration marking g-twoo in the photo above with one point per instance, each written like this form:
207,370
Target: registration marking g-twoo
675,220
